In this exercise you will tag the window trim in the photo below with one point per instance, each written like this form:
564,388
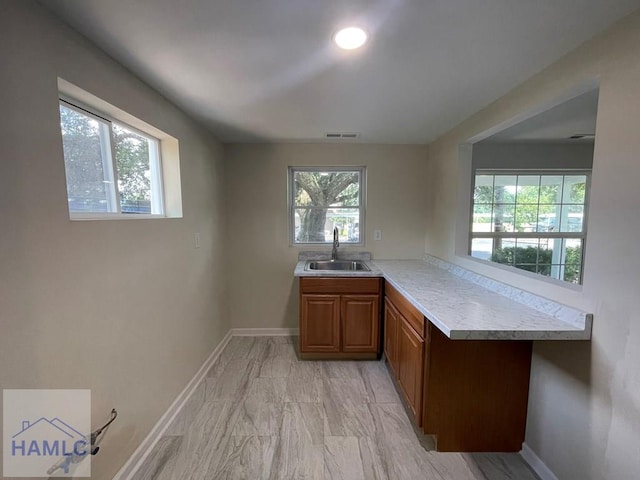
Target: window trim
361,169
551,235
155,167
169,149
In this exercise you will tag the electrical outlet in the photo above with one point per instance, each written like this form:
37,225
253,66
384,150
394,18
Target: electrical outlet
377,235
196,240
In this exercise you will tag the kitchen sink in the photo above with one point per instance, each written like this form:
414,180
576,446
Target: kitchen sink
344,265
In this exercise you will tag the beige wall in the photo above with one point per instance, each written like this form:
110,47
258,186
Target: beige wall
533,155
263,291
128,309
131,310
584,408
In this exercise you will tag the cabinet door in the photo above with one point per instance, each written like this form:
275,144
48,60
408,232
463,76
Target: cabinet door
320,323
391,321
360,323
410,367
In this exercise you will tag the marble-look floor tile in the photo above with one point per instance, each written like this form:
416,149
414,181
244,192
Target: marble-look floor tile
261,413
378,382
282,339
340,369
348,420
267,390
398,444
257,418
345,390
188,412
450,466
345,402
304,383
239,347
374,464
342,459
223,358
407,460
284,349
259,348
303,390
392,421
499,466
162,456
300,451
232,383
306,368
247,457
206,459
275,367
305,421
197,451
278,360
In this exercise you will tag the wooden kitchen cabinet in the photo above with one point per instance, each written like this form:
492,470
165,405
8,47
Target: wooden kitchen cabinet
320,322
471,395
476,393
391,319
340,317
360,317
411,367
405,348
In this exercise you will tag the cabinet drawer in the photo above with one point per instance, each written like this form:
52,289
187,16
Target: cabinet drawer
339,285
408,311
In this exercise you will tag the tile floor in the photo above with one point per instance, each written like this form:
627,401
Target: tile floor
262,413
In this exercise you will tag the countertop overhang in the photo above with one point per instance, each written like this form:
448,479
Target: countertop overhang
466,305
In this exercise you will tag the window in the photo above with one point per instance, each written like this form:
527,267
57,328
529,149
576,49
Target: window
534,221
111,167
322,198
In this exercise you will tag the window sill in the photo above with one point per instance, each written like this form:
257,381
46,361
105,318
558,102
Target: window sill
113,216
326,244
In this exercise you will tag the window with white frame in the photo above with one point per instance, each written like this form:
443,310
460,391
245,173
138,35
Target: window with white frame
534,221
112,169
323,198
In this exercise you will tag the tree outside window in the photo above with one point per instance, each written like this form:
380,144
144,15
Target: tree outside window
95,182
534,221
323,198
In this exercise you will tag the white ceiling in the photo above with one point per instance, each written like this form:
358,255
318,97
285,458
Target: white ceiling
266,70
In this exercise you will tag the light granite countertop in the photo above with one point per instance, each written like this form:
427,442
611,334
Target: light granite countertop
465,305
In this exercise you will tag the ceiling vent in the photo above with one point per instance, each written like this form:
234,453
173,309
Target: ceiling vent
578,136
341,135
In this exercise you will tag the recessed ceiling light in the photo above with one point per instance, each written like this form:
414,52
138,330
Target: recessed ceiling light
350,38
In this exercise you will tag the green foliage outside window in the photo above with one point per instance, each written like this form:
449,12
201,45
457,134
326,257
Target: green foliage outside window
325,196
87,186
538,260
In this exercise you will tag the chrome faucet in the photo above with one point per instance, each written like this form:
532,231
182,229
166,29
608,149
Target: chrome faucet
336,244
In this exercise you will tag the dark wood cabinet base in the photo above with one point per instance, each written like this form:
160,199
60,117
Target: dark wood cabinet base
470,395
340,318
476,393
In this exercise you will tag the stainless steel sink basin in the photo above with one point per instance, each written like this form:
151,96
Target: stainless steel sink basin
344,265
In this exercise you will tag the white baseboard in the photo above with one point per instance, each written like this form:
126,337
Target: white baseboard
536,463
264,332
144,449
